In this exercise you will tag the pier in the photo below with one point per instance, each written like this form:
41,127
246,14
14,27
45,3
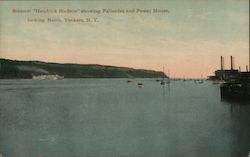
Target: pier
236,84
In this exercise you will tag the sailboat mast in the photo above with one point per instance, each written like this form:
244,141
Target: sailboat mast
163,74
168,74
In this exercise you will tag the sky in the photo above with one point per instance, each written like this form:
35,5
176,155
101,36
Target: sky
187,41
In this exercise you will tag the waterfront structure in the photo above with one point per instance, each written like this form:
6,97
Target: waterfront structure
47,77
236,83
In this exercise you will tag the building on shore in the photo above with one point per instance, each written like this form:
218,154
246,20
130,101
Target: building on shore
47,77
236,84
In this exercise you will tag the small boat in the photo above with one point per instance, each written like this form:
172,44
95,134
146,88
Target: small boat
140,84
163,82
201,81
128,81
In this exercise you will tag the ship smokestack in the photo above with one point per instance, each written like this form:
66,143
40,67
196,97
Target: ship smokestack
232,63
221,63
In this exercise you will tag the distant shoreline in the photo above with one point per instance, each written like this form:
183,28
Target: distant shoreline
14,69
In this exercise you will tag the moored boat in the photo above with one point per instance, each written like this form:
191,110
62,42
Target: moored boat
48,77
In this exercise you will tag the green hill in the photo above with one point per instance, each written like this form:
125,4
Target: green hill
12,69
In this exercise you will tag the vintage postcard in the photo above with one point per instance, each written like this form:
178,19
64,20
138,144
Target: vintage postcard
124,78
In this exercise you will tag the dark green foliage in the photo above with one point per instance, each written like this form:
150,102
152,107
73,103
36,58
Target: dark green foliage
10,69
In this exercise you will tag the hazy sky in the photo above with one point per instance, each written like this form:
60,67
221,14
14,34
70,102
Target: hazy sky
188,40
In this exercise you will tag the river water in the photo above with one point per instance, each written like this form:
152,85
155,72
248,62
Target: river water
113,118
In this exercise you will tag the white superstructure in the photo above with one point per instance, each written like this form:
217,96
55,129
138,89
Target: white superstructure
48,77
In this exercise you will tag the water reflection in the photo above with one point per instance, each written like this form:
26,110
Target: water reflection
103,117
240,122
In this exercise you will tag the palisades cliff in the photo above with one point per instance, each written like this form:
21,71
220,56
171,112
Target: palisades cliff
13,69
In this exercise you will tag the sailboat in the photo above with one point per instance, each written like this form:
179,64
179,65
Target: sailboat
163,76
201,80
168,80
129,80
163,82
